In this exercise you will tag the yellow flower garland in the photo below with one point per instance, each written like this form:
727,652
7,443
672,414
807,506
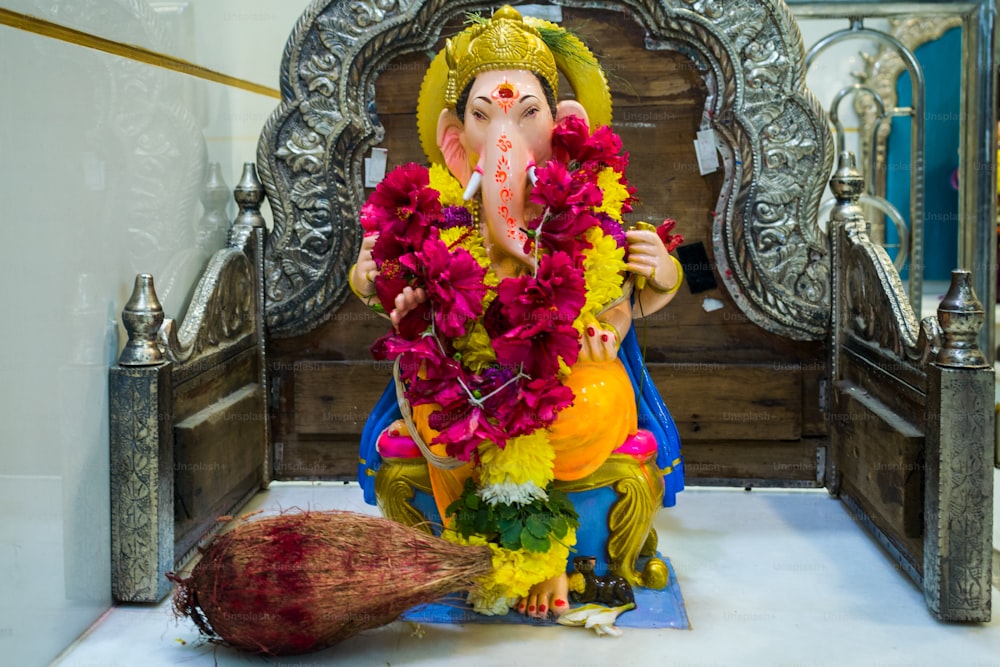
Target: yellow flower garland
514,572
603,266
528,458
447,185
615,194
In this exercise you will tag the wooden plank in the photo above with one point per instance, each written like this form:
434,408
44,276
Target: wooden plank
882,463
732,402
333,457
708,401
751,461
214,380
334,398
215,454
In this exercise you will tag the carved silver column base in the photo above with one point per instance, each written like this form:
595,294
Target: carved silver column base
958,498
142,483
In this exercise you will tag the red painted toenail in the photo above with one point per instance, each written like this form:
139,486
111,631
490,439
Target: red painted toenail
604,337
541,609
560,603
590,331
531,608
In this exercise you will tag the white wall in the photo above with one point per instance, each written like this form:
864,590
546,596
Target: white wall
102,161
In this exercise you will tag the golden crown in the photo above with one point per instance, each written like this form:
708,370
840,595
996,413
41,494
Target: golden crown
503,42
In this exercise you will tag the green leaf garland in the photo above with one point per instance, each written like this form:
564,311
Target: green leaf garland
529,526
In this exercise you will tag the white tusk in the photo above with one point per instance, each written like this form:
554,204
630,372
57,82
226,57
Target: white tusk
473,187
532,176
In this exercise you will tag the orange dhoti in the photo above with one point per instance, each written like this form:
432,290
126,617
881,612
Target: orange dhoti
602,416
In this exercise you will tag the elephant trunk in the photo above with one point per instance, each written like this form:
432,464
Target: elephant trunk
505,169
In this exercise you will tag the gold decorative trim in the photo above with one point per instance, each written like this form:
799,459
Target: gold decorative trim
396,483
639,490
39,26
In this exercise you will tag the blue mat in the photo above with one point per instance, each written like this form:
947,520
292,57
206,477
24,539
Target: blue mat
654,609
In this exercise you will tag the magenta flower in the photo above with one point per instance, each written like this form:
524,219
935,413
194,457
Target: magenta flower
562,190
402,208
573,143
538,346
612,228
463,427
567,198
554,295
540,310
569,138
535,406
454,283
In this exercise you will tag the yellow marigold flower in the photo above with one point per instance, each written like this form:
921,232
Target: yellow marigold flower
477,351
449,187
527,458
603,267
453,235
615,194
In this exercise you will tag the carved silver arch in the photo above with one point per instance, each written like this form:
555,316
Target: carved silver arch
776,149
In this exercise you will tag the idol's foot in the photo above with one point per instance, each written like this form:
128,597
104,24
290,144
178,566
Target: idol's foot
549,598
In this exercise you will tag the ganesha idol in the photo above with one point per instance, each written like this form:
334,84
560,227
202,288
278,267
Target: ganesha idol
521,414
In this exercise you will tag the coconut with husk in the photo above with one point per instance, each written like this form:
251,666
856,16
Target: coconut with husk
304,581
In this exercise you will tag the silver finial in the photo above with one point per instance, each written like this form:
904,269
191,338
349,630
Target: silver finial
142,316
961,316
249,194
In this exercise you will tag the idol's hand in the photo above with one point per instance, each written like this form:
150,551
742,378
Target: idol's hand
657,273
406,301
598,343
363,276
601,337
648,257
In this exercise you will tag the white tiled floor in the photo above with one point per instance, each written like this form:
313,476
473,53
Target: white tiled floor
769,577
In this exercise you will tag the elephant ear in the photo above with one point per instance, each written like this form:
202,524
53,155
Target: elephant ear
568,108
449,140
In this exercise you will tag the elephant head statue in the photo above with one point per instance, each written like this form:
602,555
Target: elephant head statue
500,80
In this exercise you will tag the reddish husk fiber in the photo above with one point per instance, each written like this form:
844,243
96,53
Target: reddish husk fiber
303,581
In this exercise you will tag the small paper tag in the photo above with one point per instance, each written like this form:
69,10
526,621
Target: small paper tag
704,148
711,305
375,167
